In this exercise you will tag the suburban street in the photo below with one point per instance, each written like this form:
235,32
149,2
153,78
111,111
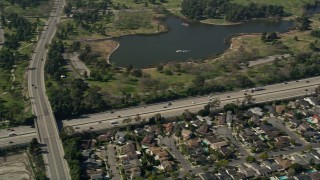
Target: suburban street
111,153
45,123
272,92
278,124
169,142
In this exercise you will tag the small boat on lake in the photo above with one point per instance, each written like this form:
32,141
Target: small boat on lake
182,51
185,24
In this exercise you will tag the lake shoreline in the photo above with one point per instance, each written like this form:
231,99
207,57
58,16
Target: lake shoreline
165,29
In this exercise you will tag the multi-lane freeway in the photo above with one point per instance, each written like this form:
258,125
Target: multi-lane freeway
96,122
45,123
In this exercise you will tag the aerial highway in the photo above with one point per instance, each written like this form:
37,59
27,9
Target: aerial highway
99,121
45,122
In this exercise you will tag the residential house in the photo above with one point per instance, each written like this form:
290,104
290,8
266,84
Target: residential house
221,119
208,120
316,120
193,143
159,153
129,148
284,163
282,141
260,170
120,137
166,165
147,140
289,114
305,127
167,128
295,123
203,129
215,142
302,177
316,110
248,171
208,176
315,153
133,172
296,158
311,100
272,165
271,110
303,104
235,174
105,137
280,109
96,175
186,134
315,176
256,111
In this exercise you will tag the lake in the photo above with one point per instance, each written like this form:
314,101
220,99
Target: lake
182,43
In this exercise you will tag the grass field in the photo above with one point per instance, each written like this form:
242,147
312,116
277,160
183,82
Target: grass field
291,6
42,10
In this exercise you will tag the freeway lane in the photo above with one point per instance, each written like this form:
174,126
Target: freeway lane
45,123
272,92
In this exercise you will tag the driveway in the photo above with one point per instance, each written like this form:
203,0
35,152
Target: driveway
169,142
111,153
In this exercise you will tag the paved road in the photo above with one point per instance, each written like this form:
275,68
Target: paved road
111,153
273,92
169,142
79,66
267,59
23,135
278,124
57,167
227,132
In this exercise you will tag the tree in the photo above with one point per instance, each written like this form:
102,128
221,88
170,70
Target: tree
178,133
198,81
160,67
67,9
214,103
263,156
250,159
248,99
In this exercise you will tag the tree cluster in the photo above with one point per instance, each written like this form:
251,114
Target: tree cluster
55,61
315,33
37,159
23,30
202,9
303,23
26,3
73,156
269,37
75,98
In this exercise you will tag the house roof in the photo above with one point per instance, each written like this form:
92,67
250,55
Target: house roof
147,140
280,108
284,163
315,176
192,143
203,129
168,127
128,148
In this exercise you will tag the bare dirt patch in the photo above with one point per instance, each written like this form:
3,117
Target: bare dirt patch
15,167
104,47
